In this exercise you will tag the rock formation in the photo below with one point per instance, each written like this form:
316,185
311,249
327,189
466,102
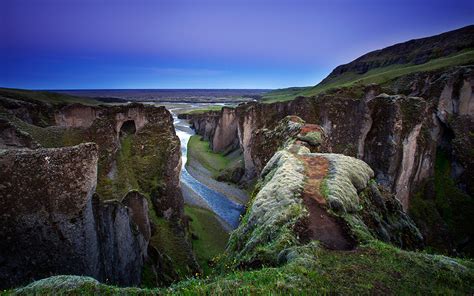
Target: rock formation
400,135
52,224
137,149
304,196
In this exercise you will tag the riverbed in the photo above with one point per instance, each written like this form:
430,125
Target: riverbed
196,192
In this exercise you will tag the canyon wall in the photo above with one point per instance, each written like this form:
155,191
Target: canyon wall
302,196
396,135
51,222
138,162
400,129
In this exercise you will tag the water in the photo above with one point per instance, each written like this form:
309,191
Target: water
226,209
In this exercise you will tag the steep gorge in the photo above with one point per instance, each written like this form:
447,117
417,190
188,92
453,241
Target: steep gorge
335,177
133,200
398,135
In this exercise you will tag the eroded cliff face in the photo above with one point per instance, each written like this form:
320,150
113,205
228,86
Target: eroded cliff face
373,128
400,135
138,150
304,196
52,224
396,134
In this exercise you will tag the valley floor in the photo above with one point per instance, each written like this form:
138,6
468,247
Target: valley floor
208,232
205,166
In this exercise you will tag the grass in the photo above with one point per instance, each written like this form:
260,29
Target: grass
209,239
450,206
203,110
46,97
283,94
376,268
201,152
50,137
455,207
377,75
166,241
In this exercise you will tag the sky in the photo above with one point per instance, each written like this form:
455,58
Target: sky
94,44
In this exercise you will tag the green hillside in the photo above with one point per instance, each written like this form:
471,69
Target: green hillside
377,75
45,96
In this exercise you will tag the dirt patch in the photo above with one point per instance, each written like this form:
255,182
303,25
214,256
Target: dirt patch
309,128
330,230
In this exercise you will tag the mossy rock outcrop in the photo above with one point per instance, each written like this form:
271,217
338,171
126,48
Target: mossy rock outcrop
137,150
53,223
303,197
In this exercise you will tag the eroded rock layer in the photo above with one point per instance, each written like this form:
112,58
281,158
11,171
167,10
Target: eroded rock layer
137,161
50,224
331,198
401,130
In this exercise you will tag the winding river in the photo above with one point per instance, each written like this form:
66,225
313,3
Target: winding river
228,210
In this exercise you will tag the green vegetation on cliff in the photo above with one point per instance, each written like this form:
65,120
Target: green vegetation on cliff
208,237
202,110
216,163
200,150
449,210
376,268
46,97
377,75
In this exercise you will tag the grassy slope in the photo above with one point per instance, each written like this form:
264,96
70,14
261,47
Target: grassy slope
201,152
203,110
373,269
378,75
46,96
49,137
209,238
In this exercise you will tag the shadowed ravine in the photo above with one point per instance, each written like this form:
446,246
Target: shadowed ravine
228,210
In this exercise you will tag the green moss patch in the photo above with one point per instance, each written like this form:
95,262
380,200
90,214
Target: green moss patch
208,237
449,211
216,163
375,269
378,75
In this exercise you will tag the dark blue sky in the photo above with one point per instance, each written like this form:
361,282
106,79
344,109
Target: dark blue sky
72,44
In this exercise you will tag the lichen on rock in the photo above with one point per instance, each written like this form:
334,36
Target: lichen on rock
346,177
267,228
295,205
60,284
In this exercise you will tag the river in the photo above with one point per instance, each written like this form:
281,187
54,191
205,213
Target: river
226,209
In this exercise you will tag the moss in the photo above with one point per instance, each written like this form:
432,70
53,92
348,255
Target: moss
376,268
267,228
208,237
445,215
171,241
217,163
61,284
455,207
346,176
411,109
313,138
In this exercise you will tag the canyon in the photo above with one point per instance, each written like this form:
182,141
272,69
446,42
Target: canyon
399,134
108,228
362,188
